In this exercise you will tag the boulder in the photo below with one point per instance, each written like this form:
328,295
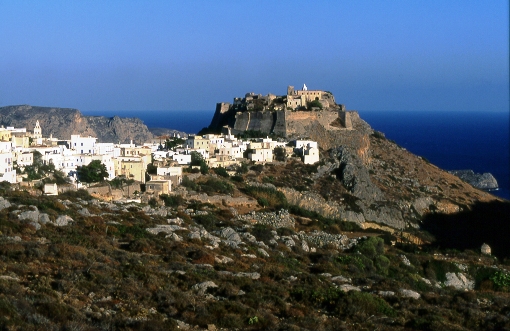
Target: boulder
405,260
63,220
174,237
263,252
230,234
222,259
44,218
410,294
459,281
201,288
252,275
304,246
4,203
29,216
486,249
348,288
288,241
340,279
84,212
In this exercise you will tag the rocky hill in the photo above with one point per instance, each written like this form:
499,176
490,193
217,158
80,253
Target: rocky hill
63,122
75,263
370,238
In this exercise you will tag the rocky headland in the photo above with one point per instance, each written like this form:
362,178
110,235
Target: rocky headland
484,181
64,122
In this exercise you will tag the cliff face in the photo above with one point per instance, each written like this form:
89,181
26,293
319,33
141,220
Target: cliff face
63,122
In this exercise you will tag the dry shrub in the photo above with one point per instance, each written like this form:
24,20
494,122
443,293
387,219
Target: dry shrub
486,285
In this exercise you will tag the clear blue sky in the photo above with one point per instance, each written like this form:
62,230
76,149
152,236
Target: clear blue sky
188,55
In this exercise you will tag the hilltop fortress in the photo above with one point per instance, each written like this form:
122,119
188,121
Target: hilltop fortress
289,115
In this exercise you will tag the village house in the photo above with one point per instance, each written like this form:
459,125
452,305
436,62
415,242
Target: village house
7,172
174,174
308,150
197,142
158,187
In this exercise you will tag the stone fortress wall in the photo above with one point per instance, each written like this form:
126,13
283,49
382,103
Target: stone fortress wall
281,118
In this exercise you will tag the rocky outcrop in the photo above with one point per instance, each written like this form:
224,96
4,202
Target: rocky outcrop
485,181
63,122
355,176
459,281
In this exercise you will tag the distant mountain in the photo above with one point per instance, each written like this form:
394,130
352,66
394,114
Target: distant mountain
63,122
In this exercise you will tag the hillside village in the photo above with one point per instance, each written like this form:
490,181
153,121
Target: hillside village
166,158
226,232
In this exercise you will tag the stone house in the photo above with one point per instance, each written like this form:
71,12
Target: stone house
158,187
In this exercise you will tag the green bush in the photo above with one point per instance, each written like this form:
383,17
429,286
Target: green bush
216,185
207,221
314,104
188,183
94,172
263,202
172,200
78,194
382,263
220,171
262,232
501,280
364,304
237,178
371,247
271,197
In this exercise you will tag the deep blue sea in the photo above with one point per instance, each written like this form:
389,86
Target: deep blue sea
451,140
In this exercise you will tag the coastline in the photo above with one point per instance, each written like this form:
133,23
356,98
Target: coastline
452,140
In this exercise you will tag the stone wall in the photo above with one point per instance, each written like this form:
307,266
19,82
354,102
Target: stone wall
298,122
224,200
262,121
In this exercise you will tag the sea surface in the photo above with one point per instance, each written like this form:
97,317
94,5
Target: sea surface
479,141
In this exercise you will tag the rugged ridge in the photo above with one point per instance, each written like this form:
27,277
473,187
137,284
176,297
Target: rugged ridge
63,122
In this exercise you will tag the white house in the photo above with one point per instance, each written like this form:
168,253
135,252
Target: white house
182,158
261,155
106,149
83,145
7,173
24,159
306,143
310,155
169,171
174,173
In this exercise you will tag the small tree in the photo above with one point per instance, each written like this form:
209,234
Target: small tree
95,171
314,103
280,154
198,160
220,171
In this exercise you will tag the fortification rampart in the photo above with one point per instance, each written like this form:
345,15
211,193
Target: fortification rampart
298,122
267,114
